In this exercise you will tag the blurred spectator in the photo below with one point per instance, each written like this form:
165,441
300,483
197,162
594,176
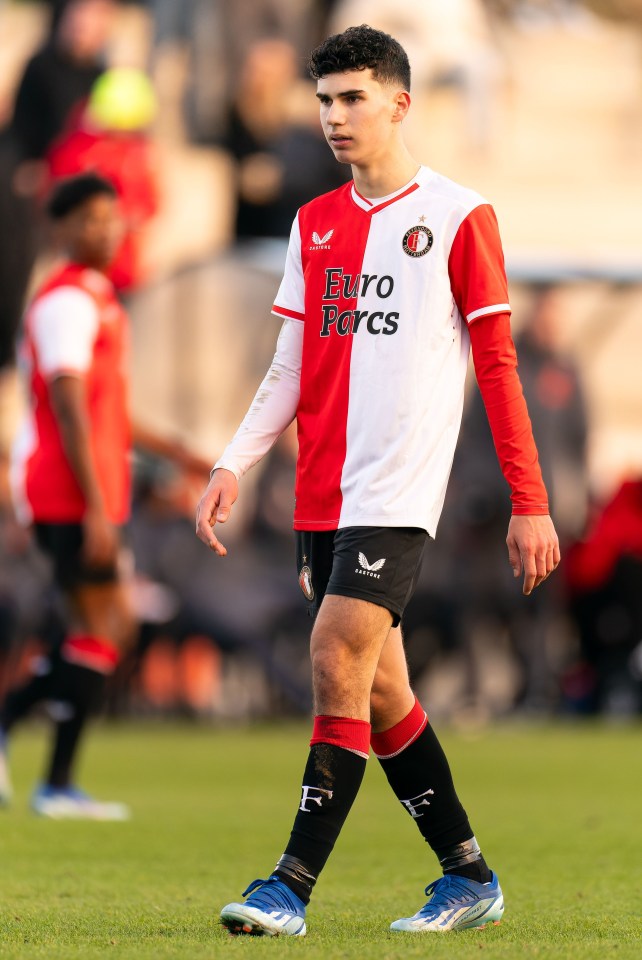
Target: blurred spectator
604,572
54,80
283,159
471,541
60,75
17,251
557,407
110,138
193,610
218,37
176,664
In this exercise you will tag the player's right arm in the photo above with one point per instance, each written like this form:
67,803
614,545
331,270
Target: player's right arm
64,326
271,412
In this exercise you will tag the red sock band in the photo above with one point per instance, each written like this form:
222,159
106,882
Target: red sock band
392,742
90,652
353,735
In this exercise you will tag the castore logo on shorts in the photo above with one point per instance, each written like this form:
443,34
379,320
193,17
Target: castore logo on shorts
369,569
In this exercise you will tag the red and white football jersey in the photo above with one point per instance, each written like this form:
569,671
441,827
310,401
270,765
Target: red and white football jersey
385,290
74,326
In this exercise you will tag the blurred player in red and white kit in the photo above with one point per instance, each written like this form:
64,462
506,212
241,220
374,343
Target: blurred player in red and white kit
388,282
71,480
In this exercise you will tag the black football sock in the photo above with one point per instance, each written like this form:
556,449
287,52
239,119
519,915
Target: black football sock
20,701
331,781
79,694
418,772
77,691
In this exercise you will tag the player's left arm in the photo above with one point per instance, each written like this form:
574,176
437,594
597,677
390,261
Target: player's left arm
479,286
533,546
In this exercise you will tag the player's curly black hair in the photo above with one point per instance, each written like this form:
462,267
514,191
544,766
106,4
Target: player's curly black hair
75,191
358,48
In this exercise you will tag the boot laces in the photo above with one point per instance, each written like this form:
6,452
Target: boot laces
445,892
273,893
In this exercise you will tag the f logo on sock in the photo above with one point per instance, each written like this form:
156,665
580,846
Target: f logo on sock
308,793
412,805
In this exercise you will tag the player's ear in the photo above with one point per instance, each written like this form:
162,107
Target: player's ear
401,105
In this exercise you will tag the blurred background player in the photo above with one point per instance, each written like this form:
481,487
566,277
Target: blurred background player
70,477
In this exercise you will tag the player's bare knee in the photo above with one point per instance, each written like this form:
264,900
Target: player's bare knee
331,664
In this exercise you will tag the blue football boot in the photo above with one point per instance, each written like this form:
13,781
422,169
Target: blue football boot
456,903
271,910
70,803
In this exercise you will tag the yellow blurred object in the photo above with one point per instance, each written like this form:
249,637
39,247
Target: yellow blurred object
122,99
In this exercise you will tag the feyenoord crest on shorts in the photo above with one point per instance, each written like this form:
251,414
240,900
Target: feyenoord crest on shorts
385,301
305,582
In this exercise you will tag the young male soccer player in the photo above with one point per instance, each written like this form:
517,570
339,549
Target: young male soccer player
70,476
388,280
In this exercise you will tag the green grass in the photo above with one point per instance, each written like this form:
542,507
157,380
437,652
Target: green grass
557,810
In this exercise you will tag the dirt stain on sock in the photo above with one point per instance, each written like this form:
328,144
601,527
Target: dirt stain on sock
323,765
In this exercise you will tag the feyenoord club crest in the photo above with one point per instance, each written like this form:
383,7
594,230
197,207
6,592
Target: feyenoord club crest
305,582
417,241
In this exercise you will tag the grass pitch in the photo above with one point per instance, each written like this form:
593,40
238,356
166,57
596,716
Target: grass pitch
557,810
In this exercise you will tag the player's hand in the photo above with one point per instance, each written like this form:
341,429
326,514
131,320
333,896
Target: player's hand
100,541
533,548
214,507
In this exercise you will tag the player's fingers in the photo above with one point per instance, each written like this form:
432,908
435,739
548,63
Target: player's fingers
550,561
514,557
205,533
543,563
205,517
552,558
224,507
216,545
205,520
530,573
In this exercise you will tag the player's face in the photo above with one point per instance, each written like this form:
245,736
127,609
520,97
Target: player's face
93,231
360,115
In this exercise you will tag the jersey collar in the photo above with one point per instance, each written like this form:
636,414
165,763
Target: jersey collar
379,203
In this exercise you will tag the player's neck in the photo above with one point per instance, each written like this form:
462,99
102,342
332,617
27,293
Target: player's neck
385,175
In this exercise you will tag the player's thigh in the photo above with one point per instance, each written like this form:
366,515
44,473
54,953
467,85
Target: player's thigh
350,628
345,646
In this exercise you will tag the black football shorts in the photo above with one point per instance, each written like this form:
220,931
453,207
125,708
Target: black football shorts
63,543
378,564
